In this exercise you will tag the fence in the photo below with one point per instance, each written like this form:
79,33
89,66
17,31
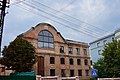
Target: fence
108,79
38,77
17,78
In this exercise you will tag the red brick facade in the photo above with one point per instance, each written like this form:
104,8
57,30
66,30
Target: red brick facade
75,55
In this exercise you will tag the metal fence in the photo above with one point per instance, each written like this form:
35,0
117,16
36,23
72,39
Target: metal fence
38,77
108,79
17,78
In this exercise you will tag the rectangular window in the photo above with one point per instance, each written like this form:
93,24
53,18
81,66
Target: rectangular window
78,51
104,42
45,45
40,38
46,39
51,40
71,61
71,73
78,61
52,72
62,60
91,62
51,45
79,72
40,44
63,72
87,72
52,60
85,51
61,49
100,52
112,38
70,50
98,44
86,62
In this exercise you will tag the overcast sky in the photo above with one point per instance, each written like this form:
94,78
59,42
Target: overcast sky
79,20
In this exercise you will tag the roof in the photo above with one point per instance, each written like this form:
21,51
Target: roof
47,25
76,42
118,30
66,40
107,36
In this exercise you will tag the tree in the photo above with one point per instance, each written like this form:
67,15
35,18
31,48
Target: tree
19,55
100,66
109,65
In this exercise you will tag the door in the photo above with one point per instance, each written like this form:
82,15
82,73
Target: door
40,66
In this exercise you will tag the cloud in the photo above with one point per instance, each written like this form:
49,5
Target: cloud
101,13
92,9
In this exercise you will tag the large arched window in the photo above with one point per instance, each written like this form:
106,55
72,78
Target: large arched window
45,39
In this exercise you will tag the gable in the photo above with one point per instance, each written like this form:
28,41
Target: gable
34,31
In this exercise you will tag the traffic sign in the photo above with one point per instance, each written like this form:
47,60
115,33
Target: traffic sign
94,73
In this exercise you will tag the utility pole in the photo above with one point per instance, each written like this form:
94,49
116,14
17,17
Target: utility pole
3,5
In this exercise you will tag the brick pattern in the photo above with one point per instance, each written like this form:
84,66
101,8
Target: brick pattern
32,36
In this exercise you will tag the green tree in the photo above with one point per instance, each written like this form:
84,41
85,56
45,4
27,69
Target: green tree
109,65
19,55
100,66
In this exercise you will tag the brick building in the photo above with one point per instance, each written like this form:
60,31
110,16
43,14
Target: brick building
57,56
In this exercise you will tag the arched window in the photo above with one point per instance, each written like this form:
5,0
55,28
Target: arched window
45,39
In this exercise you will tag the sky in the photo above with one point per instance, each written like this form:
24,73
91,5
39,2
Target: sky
79,20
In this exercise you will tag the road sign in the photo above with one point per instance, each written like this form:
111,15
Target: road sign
94,73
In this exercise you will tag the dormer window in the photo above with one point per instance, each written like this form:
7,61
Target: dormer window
45,39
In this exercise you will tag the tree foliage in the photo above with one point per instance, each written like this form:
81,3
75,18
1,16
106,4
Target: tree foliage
109,65
18,55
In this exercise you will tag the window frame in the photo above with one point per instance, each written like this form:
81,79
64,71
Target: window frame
62,60
87,72
52,60
71,61
78,61
104,42
98,44
85,62
77,51
79,72
52,72
45,39
61,49
72,73
63,74
70,50
99,52
85,51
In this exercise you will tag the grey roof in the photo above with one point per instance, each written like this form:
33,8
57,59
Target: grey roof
107,36
118,30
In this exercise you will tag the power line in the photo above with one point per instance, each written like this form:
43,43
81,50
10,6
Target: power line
17,2
71,16
66,6
58,22
68,21
96,33
57,17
